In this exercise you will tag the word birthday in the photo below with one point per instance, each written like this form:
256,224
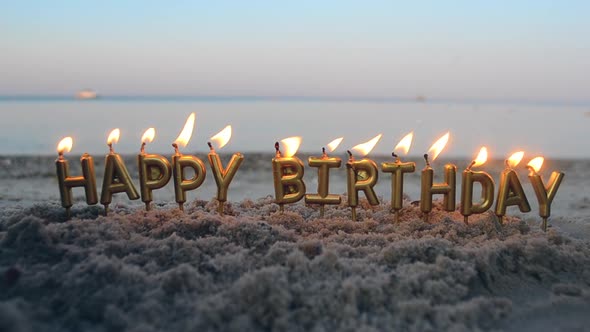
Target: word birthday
155,171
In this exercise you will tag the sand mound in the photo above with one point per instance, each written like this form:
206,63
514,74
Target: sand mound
257,269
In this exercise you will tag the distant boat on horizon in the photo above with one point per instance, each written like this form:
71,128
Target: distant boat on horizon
86,94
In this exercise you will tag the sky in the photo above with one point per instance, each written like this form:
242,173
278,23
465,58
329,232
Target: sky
500,50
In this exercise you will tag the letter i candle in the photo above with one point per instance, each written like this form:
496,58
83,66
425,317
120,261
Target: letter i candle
323,164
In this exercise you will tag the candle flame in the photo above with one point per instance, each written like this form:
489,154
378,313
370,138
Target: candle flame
114,136
65,145
482,157
334,144
438,146
364,148
148,136
290,146
515,158
222,137
536,163
405,143
187,131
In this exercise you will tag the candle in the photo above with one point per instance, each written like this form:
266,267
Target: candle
324,163
447,188
181,162
154,170
67,182
288,173
398,168
544,194
223,176
116,178
487,188
362,175
510,191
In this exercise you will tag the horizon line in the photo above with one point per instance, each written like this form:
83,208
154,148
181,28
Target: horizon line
303,98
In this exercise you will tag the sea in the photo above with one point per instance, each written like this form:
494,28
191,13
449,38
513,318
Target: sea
31,127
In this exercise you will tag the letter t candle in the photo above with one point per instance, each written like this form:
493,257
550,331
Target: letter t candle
398,169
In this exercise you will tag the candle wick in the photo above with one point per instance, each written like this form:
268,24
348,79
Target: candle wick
111,148
532,169
324,152
210,146
426,158
350,157
395,156
507,164
142,149
175,148
60,155
277,149
471,165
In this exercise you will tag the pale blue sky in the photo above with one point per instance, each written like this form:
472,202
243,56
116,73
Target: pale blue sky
529,50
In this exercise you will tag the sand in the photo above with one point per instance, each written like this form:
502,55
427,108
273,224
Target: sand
257,269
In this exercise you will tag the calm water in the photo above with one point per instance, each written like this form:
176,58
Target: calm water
33,126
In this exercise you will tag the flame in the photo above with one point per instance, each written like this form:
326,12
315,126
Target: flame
438,146
148,136
114,136
536,163
290,145
405,143
482,157
187,131
222,137
364,148
515,158
65,145
334,144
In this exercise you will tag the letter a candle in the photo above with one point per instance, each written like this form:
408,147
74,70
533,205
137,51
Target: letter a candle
510,191
116,177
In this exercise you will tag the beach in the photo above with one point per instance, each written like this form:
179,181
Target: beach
258,269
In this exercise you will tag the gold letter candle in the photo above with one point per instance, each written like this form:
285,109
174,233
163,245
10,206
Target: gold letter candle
362,175
223,177
181,162
510,191
397,178
154,170
545,195
67,182
287,171
116,178
447,188
487,188
324,163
